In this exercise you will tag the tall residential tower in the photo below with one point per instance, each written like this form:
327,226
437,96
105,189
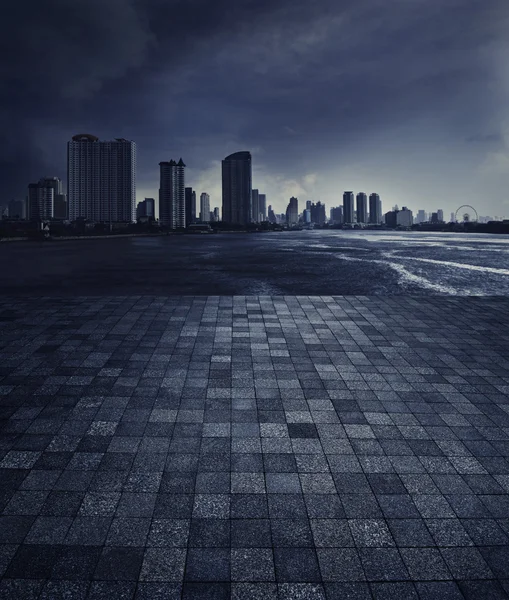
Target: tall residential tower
172,204
348,208
375,209
204,207
237,188
362,208
101,179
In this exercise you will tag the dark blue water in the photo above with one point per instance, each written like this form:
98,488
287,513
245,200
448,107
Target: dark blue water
301,263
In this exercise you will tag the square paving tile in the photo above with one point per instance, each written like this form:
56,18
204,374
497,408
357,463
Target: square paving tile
254,447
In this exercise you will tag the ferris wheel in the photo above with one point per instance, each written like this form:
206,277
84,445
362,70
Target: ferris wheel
467,213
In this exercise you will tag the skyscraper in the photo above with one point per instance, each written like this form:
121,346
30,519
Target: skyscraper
404,217
317,213
101,179
255,206
440,215
421,216
272,215
53,182
60,206
204,208
336,215
263,207
146,208
190,195
348,211
17,209
236,179
362,208
292,212
172,208
40,201
375,209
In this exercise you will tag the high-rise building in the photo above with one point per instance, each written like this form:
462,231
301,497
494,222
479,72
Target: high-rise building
292,212
440,215
375,209
404,217
272,215
391,219
172,206
16,209
434,218
421,216
40,201
190,200
146,208
317,212
399,218
236,180
255,206
263,207
60,207
52,182
362,208
101,179
306,216
336,215
216,214
453,217
204,207
348,211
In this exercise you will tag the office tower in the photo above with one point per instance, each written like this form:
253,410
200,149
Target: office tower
453,217
263,207
236,180
348,214
308,204
255,206
204,208
336,215
52,182
434,218
172,207
362,208
306,216
146,208
190,195
404,217
60,206
292,212
216,214
16,209
272,215
375,209
41,198
440,215
421,216
101,179
317,212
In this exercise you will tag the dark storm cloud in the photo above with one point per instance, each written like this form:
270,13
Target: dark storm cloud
291,77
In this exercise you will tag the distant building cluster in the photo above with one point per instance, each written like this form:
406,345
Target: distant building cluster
101,188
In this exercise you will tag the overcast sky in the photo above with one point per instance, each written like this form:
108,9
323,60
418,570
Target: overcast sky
408,98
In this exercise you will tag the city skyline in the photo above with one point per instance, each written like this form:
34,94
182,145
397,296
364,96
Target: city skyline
439,121
279,205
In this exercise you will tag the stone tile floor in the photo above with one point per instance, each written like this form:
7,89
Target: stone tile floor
254,447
